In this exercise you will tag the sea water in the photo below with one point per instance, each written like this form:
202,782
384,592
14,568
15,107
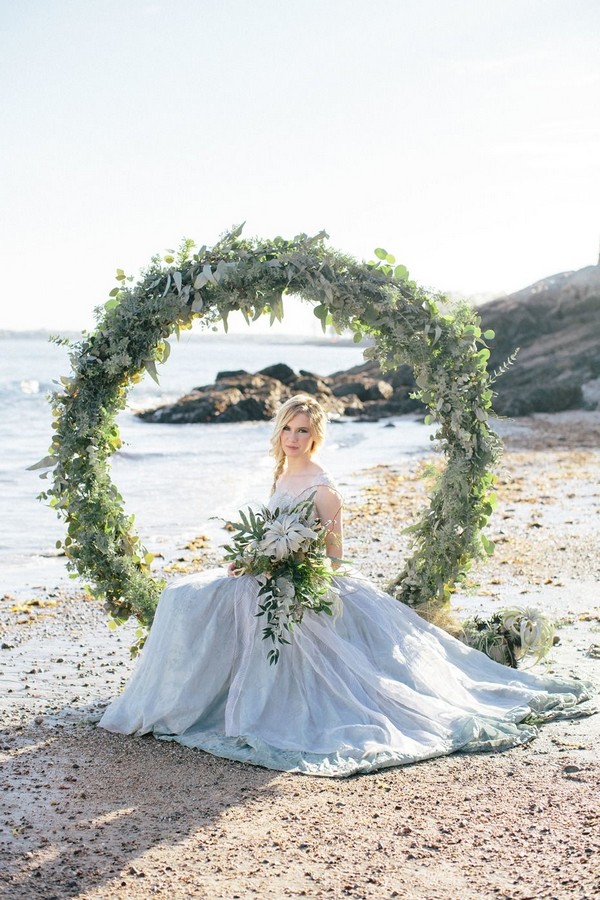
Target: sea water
178,480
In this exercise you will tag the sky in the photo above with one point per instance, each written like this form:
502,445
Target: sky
461,135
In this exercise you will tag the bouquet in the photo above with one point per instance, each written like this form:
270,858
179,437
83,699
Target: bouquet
285,549
510,635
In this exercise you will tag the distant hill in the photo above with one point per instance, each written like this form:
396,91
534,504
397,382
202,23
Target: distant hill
556,324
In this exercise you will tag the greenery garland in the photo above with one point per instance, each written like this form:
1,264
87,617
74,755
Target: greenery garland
445,348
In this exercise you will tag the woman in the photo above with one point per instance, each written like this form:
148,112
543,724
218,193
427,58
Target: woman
373,686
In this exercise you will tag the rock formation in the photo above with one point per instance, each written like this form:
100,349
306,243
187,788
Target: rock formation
556,324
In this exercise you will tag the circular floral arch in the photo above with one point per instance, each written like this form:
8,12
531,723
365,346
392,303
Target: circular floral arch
446,351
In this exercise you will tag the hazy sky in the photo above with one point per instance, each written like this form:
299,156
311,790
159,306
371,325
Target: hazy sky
462,135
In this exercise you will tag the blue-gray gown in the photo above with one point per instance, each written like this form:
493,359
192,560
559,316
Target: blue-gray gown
375,686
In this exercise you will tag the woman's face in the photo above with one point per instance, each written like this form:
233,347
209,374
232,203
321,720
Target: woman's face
296,437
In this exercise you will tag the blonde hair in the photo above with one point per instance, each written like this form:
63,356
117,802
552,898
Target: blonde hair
300,403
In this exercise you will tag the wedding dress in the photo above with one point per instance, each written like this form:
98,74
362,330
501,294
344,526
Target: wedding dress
375,686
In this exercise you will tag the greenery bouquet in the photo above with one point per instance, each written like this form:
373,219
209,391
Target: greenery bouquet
285,549
510,635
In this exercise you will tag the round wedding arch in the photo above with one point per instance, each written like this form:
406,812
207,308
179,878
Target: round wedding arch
444,346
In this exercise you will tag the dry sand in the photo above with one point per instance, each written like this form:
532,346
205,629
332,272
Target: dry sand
87,814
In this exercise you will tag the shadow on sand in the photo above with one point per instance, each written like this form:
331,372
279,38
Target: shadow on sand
80,806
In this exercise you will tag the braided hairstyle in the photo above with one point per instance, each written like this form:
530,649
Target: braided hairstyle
300,403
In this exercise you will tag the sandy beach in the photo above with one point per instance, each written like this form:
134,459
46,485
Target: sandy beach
88,814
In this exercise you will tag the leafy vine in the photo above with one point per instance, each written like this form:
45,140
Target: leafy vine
445,347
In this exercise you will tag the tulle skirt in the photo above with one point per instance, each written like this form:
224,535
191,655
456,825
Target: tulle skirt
375,686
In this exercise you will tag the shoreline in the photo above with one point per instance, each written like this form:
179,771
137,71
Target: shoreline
92,815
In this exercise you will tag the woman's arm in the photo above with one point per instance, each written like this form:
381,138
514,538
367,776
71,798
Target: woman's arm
328,505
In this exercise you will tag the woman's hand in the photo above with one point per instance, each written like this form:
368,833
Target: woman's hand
231,569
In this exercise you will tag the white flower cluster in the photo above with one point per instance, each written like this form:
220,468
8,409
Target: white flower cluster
284,535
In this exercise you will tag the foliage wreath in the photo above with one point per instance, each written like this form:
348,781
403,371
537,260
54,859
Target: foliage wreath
446,350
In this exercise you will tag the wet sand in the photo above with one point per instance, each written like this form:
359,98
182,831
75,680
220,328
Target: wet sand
84,813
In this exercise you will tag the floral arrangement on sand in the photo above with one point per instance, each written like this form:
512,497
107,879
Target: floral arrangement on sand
510,635
285,549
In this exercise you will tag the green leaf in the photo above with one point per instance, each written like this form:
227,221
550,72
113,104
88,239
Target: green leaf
276,309
111,304
115,292
401,273
437,335
48,462
235,233
390,258
120,276
487,545
489,335
380,253
169,258
208,274
177,280
150,367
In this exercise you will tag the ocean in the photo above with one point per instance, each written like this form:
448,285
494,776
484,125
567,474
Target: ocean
178,480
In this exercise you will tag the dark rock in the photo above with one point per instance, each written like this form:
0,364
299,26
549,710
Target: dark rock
250,409
402,402
247,383
365,389
310,384
199,406
307,374
370,368
352,405
279,371
235,373
403,376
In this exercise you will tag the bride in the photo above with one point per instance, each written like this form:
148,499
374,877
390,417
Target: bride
373,686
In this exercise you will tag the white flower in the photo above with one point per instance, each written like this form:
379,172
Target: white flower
533,628
285,590
285,535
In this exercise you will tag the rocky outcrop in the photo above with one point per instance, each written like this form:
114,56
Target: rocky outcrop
556,325
235,397
239,396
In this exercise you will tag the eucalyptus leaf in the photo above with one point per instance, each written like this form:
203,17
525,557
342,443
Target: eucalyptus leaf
150,367
47,462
